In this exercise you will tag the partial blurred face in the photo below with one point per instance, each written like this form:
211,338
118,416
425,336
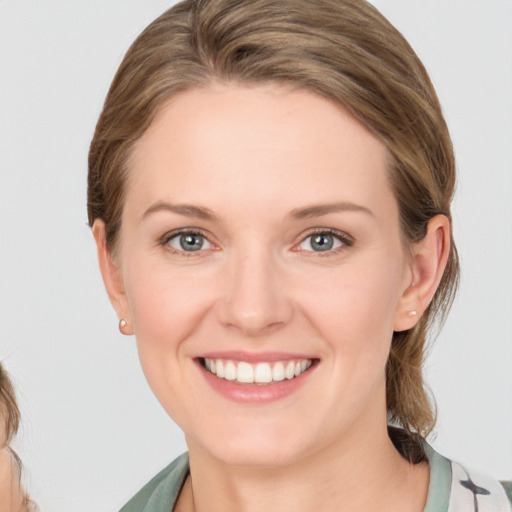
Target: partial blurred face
262,271
11,493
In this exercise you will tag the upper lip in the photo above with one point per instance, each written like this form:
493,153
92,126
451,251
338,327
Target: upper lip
255,357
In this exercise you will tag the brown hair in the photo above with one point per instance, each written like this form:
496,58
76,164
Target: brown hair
10,421
344,50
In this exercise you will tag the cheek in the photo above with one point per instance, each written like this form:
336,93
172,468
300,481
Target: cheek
354,306
166,308
165,305
353,312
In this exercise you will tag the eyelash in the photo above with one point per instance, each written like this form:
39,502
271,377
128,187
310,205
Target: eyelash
345,239
164,241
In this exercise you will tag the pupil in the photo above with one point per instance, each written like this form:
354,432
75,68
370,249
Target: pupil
191,242
322,242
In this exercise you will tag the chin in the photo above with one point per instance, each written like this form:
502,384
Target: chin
259,455
255,447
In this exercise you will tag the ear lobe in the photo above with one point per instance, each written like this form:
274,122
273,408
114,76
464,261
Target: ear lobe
111,274
429,257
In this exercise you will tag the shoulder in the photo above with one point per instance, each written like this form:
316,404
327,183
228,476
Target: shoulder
161,492
455,488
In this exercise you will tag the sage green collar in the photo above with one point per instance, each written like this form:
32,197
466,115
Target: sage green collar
439,487
161,493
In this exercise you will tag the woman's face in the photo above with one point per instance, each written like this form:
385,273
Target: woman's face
260,241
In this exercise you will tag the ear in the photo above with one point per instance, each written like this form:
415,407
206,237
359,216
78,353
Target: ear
428,260
112,277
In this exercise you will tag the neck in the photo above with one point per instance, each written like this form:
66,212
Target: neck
362,472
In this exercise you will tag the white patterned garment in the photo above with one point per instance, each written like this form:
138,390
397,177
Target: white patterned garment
472,491
454,489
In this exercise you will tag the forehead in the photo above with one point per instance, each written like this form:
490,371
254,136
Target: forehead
255,147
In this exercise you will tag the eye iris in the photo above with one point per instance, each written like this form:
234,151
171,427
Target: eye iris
322,242
191,242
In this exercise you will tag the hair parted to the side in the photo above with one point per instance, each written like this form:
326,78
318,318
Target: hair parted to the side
9,424
343,50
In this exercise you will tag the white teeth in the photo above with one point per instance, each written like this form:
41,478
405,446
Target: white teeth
245,373
290,370
263,373
278,372
260,373
230,371
219,368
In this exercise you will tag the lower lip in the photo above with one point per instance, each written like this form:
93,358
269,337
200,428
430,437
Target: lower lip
256,393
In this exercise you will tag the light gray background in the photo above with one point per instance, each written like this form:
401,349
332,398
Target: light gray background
92,431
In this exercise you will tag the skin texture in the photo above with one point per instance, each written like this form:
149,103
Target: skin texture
258,159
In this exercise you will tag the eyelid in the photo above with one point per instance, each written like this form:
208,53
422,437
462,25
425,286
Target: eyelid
343,237
165,239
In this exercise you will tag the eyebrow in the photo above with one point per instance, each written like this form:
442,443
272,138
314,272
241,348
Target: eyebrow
187,210
324,209
307,212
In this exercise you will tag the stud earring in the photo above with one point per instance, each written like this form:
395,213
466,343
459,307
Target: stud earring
412,313
122,324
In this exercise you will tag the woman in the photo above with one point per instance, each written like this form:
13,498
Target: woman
12,496
269,191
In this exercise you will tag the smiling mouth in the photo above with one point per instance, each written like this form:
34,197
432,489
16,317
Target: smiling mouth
260,373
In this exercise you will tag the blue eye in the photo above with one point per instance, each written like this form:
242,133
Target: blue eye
321,242
189,242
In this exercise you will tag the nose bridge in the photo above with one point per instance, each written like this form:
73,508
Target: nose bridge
255,300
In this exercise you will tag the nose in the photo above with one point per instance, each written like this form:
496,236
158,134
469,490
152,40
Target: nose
255,299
